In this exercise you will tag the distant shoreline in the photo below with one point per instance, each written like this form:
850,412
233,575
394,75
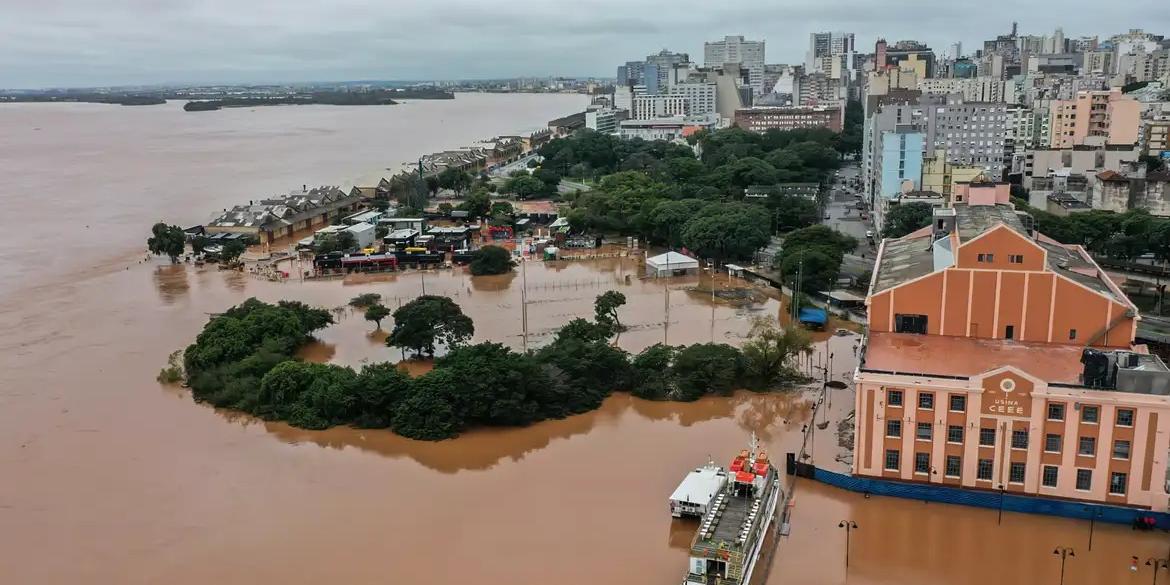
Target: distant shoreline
215,101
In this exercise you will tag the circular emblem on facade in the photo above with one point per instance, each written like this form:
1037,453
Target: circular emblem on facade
1008,385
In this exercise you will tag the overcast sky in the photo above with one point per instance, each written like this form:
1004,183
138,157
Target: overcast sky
107,42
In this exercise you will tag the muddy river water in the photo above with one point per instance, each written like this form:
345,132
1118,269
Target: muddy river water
108,477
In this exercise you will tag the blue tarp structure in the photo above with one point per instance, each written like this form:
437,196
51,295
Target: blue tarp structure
813,317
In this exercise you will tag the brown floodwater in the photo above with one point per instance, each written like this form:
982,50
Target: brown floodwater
107,476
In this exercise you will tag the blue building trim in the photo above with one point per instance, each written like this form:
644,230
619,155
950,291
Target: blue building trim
985,499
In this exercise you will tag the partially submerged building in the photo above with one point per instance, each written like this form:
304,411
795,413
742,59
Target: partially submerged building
278,217
999,359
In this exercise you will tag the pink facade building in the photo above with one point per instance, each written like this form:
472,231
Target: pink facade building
999,359
1095,117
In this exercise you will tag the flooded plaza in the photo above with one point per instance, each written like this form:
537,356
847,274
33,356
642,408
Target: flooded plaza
110,477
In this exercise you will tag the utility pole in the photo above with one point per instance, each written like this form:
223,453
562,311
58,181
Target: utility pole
711,263
666,291
524,301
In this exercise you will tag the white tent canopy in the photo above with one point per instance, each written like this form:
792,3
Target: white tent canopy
669,263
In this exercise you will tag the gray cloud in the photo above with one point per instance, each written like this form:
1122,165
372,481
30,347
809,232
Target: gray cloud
106,42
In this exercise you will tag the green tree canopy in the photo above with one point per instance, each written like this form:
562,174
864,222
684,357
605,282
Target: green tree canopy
727,231
365,300
491,260
166,240
907,218
455,180
376,313
477,204
605,308
707,368
429,320
526,187
816,267
770,350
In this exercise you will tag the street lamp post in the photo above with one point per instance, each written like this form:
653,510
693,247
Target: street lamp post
1064,553
1001,489
849,527
1094,513
1156,564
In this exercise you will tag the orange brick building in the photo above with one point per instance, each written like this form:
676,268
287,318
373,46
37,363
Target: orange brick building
997,358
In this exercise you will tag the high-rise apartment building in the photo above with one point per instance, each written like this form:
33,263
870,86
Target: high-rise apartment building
831,53
663,63
974,89
973,133
1095,117
734,49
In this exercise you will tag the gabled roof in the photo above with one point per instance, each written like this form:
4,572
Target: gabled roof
911,257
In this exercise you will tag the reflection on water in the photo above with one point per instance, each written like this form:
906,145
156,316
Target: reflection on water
317,352
171,282
483,448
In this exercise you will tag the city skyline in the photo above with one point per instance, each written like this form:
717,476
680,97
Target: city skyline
68,43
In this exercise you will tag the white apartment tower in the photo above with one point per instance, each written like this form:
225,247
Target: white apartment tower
734,49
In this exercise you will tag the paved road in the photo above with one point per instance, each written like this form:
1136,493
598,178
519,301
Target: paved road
844,217
507,169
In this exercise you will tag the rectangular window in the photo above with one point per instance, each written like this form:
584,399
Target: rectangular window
926,400
922,463
1015,258
1055,411
1049,475
1072,334
1089,414
925,432
1084,479
893,458
910,324
1052,443
1019,439
983,469
1009,332
1087,446
1117,481
987,437
1120,449
1016,473
1124,417
894,397
893,428
955,434
954,466
958,403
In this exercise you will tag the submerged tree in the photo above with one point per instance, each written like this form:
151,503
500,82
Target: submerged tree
769,350
231,251
429,320
605,308
166,240
376,313
365,300
491,260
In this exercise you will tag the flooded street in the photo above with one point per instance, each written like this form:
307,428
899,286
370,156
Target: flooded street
108,477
